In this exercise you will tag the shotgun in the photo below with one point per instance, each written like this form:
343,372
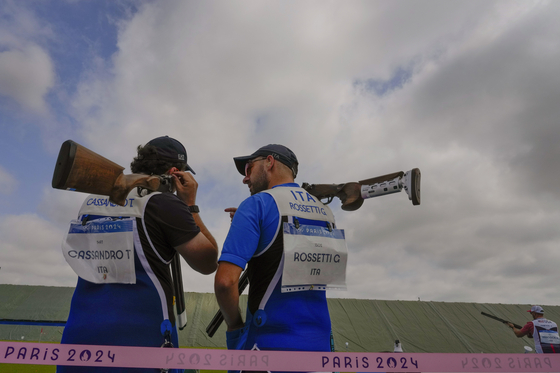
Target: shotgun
82,170
504,321
352,194
219,317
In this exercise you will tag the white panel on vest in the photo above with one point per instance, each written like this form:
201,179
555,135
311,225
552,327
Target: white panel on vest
549,337
102,250
314,258
295,201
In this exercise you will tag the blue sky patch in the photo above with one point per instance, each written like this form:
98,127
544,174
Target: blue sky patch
381,87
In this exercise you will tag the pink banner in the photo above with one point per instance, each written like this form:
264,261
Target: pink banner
186,358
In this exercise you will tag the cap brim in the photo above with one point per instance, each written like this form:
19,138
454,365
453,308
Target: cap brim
240,163
188,168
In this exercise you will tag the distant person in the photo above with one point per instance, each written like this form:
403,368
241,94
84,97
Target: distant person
278,217
543,331
127,298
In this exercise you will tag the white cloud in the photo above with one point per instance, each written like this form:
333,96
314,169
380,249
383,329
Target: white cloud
26,68
26,75
475,109
30,252
228,80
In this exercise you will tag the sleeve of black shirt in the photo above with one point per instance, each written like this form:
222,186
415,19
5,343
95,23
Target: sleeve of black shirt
169,220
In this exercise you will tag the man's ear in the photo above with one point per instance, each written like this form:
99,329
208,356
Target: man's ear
270,159
172,170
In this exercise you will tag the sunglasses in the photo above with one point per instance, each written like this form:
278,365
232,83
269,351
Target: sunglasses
249,165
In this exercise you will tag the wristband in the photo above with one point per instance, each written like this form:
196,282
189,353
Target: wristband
194,209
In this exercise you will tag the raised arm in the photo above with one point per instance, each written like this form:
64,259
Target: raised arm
201,252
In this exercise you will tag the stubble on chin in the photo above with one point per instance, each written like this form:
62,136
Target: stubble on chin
259,184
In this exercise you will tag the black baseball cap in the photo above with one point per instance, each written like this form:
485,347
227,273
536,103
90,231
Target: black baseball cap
170,149
279,152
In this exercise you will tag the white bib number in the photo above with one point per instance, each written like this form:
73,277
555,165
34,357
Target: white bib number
314,258
102,250
549,337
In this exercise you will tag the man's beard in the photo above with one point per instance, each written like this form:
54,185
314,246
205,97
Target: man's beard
260,183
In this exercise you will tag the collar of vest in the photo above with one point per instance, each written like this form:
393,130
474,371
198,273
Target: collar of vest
296,201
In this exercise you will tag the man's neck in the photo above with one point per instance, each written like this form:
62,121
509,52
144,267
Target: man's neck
278,181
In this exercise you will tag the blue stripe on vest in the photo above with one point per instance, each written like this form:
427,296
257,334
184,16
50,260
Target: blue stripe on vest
110,226
310,230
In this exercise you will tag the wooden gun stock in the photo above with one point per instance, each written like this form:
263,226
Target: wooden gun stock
219,317
352,194
82,170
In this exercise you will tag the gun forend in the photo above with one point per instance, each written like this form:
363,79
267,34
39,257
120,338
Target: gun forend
82,170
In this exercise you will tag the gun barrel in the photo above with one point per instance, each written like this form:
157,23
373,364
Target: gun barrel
179,292
501,320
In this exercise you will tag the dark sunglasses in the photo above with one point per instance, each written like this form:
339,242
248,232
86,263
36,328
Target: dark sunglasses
249,165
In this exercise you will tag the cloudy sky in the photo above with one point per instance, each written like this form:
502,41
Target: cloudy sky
466,91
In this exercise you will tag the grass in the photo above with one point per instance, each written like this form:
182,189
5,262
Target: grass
24,368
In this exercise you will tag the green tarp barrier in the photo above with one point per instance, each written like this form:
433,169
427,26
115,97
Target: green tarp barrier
366,325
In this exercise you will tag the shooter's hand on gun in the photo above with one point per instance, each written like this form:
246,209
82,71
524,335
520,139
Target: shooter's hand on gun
185,185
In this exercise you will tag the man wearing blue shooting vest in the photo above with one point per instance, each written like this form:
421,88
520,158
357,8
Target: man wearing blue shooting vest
293,252
122,256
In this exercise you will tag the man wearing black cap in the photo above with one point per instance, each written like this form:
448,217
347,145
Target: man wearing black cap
122,257
279,233
543,331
